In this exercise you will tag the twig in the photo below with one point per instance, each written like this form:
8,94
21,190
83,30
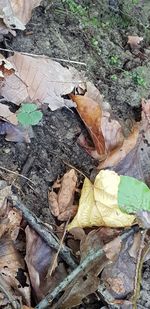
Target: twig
76,169
139,265
42,56
46,234
82,267
4,288
15,173
52,268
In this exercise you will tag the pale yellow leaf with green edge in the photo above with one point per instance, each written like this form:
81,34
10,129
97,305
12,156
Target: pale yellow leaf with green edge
98,203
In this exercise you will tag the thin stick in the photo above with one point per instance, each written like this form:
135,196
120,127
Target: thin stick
46,234
15,173
137,281
76,169
46,302
43,56
52,268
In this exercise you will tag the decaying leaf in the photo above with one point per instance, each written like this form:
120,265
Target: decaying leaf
120,275
37,79
87,282
39,257
98,205
13,269
134,41
7,114
16,13
136,162
10,218
61,205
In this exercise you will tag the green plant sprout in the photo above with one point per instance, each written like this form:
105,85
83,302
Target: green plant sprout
114,77
29,115
114,60
138,79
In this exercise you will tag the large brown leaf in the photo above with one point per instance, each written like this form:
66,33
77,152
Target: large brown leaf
37,79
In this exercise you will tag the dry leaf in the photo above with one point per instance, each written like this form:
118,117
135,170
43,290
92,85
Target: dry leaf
61,205
98,205
37,79
112,132
39,257
136,162
134,41
117,154
91,114
87,282
7,114
120,275
16,13
13,269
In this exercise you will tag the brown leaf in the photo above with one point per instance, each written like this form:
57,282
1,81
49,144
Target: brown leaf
13,269
37,79
86,283
7,114
134,41
119,276
136,162
91,114
10,217
16,13
112,132
61,205
119,153
39,258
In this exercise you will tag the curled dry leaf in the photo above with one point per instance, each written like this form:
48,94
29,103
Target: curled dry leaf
61,205
91,114
39,258
37,79
105,131
13,269
134,41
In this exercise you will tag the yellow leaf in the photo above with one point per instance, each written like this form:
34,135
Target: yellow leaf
98,204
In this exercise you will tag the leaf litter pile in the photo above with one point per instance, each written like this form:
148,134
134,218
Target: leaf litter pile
94,249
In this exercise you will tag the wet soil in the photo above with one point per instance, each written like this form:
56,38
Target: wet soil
94,33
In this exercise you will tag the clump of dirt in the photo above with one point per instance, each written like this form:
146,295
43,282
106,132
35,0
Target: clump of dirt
94,33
